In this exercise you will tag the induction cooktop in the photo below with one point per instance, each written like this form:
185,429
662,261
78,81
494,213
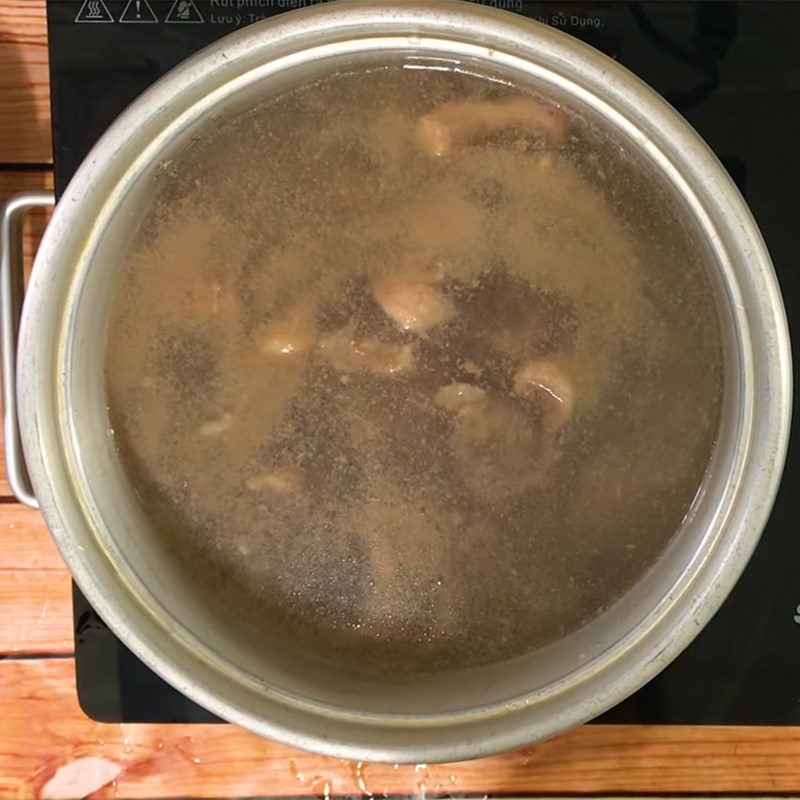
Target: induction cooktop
733,70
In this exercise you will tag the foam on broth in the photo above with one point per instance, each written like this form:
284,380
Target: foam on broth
413,396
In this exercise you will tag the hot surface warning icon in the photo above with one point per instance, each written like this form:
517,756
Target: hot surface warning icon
184,11
94,11
138,11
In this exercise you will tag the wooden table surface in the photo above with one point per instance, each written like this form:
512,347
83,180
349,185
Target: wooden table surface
48,748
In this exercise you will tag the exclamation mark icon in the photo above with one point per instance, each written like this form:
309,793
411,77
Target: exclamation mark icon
138,11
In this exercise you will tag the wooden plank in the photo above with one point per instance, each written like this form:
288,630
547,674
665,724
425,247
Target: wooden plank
35,587
11,182
25,542
35,613
24,83
44,737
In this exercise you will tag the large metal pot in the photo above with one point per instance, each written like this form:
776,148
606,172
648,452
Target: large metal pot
157,610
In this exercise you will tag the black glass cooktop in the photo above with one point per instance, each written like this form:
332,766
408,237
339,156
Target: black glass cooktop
733,69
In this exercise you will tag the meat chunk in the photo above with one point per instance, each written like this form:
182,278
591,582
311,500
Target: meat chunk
414,299
547,382
471,368
216,426
346,353
279,480
461,398
462,122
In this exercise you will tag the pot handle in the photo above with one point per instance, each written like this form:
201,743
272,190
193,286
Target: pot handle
12,291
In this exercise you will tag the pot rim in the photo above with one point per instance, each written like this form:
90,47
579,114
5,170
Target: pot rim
763,327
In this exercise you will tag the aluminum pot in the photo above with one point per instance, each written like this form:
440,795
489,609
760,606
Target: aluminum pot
165,617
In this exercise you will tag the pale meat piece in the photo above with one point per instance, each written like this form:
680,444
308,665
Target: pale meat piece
214,427
471,368
547,382
414,299
460,398
278,480
346,353
463,122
